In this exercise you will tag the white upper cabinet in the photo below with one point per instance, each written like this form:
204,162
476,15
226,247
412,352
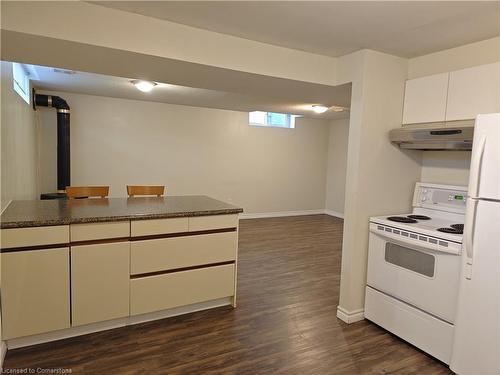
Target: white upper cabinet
425,99
459,95
473,91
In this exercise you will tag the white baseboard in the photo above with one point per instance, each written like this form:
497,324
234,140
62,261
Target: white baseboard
111,324
3,351
264,215
281,214
350,316
136,319
65,333
334,213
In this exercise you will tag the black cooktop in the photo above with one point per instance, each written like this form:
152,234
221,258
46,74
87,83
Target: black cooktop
402,219
419,217
452,229
412,219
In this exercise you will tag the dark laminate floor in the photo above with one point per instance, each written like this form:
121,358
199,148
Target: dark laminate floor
289,272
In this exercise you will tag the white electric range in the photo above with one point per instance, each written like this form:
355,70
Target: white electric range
414,268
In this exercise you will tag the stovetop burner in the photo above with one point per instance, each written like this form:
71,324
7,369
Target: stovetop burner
419,217
458,226
451,230
402,219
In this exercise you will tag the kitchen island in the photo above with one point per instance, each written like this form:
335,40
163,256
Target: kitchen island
71,267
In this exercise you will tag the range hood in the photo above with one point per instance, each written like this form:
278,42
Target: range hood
435,137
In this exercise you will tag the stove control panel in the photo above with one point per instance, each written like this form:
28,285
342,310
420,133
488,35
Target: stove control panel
440,197
456,197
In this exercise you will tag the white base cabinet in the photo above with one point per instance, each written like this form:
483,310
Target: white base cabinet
35,292
105,272
100,276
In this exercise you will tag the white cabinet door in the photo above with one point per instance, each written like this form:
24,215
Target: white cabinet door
425,99
100,282
473,91
35,292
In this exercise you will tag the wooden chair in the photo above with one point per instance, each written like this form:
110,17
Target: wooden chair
74,192
133,190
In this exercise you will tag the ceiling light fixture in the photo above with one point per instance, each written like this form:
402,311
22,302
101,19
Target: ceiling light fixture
144,86
319,108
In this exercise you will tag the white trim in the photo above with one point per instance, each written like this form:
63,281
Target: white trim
7,205
115,323
65,333
334,213
3,352
3,344
263,215
350,316
281,214
162,314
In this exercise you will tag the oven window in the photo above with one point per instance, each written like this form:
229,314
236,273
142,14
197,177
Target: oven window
412,260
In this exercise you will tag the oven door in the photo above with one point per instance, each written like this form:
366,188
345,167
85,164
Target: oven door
424,278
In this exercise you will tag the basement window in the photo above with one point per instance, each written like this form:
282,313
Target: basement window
271,119
21,81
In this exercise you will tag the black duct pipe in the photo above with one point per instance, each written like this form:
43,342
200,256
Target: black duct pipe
63,144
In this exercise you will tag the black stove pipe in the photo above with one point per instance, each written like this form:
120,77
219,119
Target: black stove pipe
63,144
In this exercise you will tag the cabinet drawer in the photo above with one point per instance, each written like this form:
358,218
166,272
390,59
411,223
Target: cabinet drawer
35,292
178,252
426,332
175,289
99,231
100,281
35,236
158,226
198,223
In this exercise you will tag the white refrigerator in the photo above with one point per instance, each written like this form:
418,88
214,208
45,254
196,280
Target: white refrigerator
476,346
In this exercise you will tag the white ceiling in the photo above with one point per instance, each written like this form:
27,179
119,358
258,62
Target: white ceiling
335,28
46,78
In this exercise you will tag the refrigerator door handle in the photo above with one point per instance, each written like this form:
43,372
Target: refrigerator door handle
475,167
470,218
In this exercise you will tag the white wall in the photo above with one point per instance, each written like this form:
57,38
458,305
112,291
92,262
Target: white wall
191,150
116,29
380,177
18,151
18,143
337,166
467,56
446,167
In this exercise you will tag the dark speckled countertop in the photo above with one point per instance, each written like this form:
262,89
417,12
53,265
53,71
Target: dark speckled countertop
38,213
